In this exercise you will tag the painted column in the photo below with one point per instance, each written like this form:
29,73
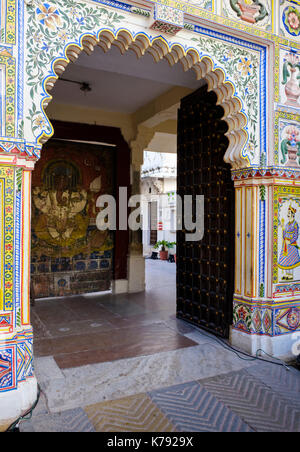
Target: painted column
266,300
252,321
18,386
267,292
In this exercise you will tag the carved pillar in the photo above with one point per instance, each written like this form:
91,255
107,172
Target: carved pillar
18,386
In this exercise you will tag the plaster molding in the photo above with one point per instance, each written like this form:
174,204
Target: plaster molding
139,145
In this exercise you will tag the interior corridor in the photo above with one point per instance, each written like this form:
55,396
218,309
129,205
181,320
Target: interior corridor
95,328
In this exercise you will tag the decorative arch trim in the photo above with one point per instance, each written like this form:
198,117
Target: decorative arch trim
205,66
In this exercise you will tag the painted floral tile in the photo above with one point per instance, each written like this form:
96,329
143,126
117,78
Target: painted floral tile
289,79
289,14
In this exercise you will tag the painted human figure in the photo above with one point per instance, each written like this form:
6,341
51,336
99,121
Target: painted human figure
289,258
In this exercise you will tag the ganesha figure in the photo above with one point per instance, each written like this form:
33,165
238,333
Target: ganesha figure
61,220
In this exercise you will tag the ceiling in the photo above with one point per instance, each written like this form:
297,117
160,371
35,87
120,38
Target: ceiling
120,83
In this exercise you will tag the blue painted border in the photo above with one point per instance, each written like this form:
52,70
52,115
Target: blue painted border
17,250
263,79
262,249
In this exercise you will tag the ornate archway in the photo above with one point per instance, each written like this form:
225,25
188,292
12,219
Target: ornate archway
56,33
221,60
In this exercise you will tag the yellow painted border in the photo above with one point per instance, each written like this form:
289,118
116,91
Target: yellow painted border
26,243
2,214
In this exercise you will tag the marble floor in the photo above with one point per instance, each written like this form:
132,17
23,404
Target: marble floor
125,364
89,329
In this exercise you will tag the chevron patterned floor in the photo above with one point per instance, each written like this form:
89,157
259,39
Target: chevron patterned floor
191,408
131,414
179,379
261,398
257,404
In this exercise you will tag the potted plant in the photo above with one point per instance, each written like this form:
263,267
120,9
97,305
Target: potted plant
291,78
163,253
170,246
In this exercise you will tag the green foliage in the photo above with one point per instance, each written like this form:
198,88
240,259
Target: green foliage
21,129
164,244
19,175
263,191
141,12
262,291
18,318
284,149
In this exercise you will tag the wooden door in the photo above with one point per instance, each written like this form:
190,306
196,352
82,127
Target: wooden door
205,269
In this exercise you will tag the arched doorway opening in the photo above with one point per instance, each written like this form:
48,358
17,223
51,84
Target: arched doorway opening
215,80
49,53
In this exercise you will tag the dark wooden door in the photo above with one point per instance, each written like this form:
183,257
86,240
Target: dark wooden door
205,269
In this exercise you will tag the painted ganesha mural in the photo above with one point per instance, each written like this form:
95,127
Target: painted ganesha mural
69,254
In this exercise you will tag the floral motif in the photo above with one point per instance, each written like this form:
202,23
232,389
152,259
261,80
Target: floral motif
170,15
293,134
245,66
242,317
242,66
291,20
39,121
287,320
49,16
290,145
293,319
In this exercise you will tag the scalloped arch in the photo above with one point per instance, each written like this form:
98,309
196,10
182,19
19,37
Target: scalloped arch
159,48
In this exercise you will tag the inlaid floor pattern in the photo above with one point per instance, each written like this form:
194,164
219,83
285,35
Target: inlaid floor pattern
234,402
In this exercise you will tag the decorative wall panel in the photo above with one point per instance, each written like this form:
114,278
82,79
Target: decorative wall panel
69,254
289,78
256,13
289,14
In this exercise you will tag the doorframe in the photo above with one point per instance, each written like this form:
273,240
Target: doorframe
111,135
